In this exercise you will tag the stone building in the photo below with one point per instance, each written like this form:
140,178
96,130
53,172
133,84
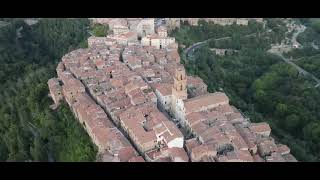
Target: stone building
196,86
55,90
118,83
145,27
179,91
156,41
191,21
162,31
172,23
124,38
118,26
100,41
164,94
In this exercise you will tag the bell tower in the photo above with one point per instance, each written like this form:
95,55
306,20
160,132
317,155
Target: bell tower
179,89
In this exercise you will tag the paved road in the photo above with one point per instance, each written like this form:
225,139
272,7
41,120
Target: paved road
199,44
300,29
279,52
301,70
295,60
276,51
314,46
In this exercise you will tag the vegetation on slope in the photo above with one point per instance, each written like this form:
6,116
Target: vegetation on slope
100,30
29,129
308,56
260,84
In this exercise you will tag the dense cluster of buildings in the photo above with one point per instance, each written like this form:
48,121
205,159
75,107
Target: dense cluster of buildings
134,31
173,23
222,21
137,103
139,24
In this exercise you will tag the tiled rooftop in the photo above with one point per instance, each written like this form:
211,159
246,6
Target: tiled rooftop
111,89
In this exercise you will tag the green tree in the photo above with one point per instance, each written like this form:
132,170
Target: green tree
29,129
100,30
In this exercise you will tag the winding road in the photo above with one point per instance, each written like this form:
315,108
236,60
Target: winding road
300,70
277,51
199,44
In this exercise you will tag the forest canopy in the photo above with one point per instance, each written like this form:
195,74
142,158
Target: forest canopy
29,129
257,82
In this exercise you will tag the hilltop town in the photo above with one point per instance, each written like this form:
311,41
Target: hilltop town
136,102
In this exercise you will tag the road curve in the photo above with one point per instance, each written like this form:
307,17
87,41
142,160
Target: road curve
198,44
279,53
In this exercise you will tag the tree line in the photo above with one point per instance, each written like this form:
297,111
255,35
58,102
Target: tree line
29,129
260,84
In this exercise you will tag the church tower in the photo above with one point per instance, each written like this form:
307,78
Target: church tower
179,89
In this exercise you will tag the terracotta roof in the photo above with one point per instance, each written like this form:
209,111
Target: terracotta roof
216,116
207,135
125,154
136,159
199,152
131,86
257,158
108,157
100,63
199,128
128,35
205,101
194,81
234,117
191,143
275,157
195,117
222,158
173,56
239,156
164,88
153,36
178,155
267,147
289,158
164,159
260,128
220,139
225,109
283,149
173,131
237,141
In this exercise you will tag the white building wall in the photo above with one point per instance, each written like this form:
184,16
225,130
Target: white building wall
180,110
165,101
177,142
145,26
145,41
155,43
